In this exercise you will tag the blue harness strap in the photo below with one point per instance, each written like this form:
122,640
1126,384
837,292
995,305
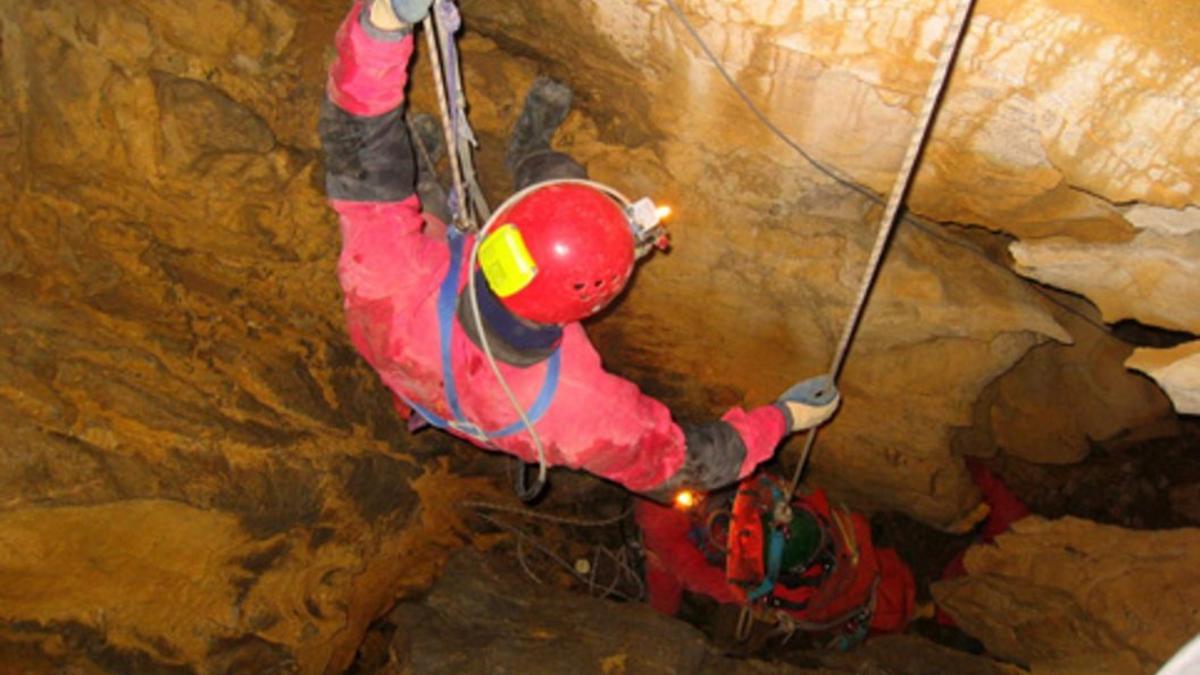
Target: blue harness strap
447,294
774,556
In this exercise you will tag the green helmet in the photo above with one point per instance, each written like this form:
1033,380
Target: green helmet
801,541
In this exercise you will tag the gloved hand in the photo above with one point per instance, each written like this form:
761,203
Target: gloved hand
809,403
411,11
395,14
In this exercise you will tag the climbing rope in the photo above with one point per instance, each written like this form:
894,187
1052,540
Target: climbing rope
624,569
933,97
467,201
435,62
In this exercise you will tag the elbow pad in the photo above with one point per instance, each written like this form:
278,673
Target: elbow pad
714,457
367,159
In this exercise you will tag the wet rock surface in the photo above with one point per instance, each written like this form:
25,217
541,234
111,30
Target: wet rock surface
1071,595
485,616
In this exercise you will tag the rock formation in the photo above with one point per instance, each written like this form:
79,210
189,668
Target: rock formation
200,475
1074,596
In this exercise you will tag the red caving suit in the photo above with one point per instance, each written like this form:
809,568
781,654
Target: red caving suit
674,563
392,264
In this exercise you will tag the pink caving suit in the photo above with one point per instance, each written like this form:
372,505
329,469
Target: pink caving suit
392,264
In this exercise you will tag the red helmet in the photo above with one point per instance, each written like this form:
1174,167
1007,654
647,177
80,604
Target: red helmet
559,254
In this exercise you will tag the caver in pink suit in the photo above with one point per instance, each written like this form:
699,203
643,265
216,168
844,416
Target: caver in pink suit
393,262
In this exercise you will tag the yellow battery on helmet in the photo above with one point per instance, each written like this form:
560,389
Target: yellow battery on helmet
506,262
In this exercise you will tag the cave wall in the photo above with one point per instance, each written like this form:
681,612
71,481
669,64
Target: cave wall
197,474
1073,596
198,470
1068,125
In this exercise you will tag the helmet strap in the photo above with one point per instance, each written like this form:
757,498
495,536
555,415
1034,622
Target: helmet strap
514,340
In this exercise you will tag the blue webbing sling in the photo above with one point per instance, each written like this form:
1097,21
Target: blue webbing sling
447,294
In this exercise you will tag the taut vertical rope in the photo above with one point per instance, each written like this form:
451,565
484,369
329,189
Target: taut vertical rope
461,214
933,96
466,200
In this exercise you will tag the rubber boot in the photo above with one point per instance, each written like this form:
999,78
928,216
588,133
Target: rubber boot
545,165
546,106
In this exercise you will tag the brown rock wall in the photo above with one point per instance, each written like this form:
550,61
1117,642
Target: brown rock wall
1021,414
198,474
1071,595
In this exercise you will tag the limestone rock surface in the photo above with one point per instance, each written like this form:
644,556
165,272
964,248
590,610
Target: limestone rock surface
484,616
1071,595
1177,370
1153,278
197,474
1021,413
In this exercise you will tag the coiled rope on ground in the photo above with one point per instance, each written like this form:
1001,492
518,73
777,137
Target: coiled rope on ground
623,561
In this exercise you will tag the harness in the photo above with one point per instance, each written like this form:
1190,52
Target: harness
756,564
774,554
447,295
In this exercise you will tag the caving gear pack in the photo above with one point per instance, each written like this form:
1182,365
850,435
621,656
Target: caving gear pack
771,540
801,558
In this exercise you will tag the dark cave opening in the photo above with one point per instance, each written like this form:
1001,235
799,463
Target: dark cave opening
1139,334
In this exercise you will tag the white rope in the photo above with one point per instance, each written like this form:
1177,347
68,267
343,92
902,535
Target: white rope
435,62
887,224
